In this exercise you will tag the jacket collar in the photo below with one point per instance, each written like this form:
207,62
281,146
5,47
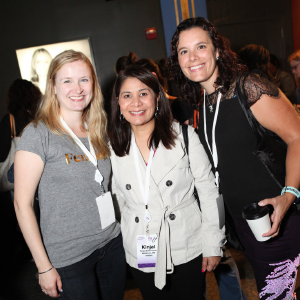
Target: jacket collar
164,160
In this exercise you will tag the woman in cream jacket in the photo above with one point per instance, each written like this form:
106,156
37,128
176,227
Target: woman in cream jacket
189,240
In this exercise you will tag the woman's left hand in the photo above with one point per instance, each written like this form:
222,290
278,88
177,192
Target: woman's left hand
281,205
210,263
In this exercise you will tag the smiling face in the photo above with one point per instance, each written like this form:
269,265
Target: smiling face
137,102
295,67
197,57
74,87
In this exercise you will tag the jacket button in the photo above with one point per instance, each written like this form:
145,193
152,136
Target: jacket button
172,217
169,183
128,187
136,219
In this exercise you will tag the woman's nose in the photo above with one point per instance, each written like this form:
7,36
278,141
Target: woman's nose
136,101
193,56
78,88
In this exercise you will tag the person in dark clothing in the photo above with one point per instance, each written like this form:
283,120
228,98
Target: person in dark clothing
282,79
242,115
294,60
22,102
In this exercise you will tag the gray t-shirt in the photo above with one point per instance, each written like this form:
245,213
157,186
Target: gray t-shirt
70,220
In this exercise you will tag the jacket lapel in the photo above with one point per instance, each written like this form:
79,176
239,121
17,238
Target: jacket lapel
165,160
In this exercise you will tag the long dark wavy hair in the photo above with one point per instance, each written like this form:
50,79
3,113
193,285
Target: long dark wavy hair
228,63
120,131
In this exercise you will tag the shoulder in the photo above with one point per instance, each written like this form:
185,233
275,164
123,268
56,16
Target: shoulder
254,84
36,129
285,75
177,127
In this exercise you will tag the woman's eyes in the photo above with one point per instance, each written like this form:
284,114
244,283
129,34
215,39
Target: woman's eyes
143,94
199,48
183,52
82,80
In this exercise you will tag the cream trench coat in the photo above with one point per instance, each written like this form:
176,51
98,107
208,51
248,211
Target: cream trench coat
184,231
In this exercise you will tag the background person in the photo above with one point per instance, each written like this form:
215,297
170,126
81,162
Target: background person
144,138
252,115
23,98
294,61
124,61
282,79
256,57
79,251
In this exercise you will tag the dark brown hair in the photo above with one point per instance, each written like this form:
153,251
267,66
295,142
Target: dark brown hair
228,64
152,66
256,57
120,131
23,99
124,61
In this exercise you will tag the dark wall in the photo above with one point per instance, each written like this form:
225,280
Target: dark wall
115,27
262,22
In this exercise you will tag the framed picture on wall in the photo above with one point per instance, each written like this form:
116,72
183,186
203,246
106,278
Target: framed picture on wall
34,62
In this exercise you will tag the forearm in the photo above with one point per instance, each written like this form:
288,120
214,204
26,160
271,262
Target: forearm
292,167
32,236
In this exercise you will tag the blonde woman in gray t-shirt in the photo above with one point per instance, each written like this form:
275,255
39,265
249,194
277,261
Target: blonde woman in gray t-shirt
64,153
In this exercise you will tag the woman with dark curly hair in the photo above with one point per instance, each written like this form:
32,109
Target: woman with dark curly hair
254,133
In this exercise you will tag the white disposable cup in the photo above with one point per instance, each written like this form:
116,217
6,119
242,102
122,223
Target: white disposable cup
258,220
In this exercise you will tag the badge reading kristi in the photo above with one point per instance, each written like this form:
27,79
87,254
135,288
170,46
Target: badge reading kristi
146,250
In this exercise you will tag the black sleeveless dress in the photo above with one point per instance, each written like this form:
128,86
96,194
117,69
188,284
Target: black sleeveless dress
245,179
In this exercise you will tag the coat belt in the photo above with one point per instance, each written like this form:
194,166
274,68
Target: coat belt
164,262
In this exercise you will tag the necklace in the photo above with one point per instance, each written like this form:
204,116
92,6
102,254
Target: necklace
211,99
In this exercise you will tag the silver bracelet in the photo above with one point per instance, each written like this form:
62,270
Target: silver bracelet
45,271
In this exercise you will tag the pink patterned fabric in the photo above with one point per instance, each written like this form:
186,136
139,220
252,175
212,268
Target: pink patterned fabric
282,280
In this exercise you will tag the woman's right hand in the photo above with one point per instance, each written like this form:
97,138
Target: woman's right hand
50,283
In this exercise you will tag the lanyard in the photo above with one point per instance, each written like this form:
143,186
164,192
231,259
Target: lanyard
91,155
144,188
213,152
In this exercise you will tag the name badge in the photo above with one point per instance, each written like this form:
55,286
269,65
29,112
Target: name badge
106,210
147,250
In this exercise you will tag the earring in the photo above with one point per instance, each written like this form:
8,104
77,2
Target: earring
156,111
122,119
218,58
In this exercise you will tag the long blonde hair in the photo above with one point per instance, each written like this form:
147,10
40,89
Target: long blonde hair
93,115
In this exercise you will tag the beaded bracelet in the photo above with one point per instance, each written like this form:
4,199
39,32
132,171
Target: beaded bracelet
45,271
290,189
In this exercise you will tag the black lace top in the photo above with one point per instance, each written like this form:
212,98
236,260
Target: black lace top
253,86
243,177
